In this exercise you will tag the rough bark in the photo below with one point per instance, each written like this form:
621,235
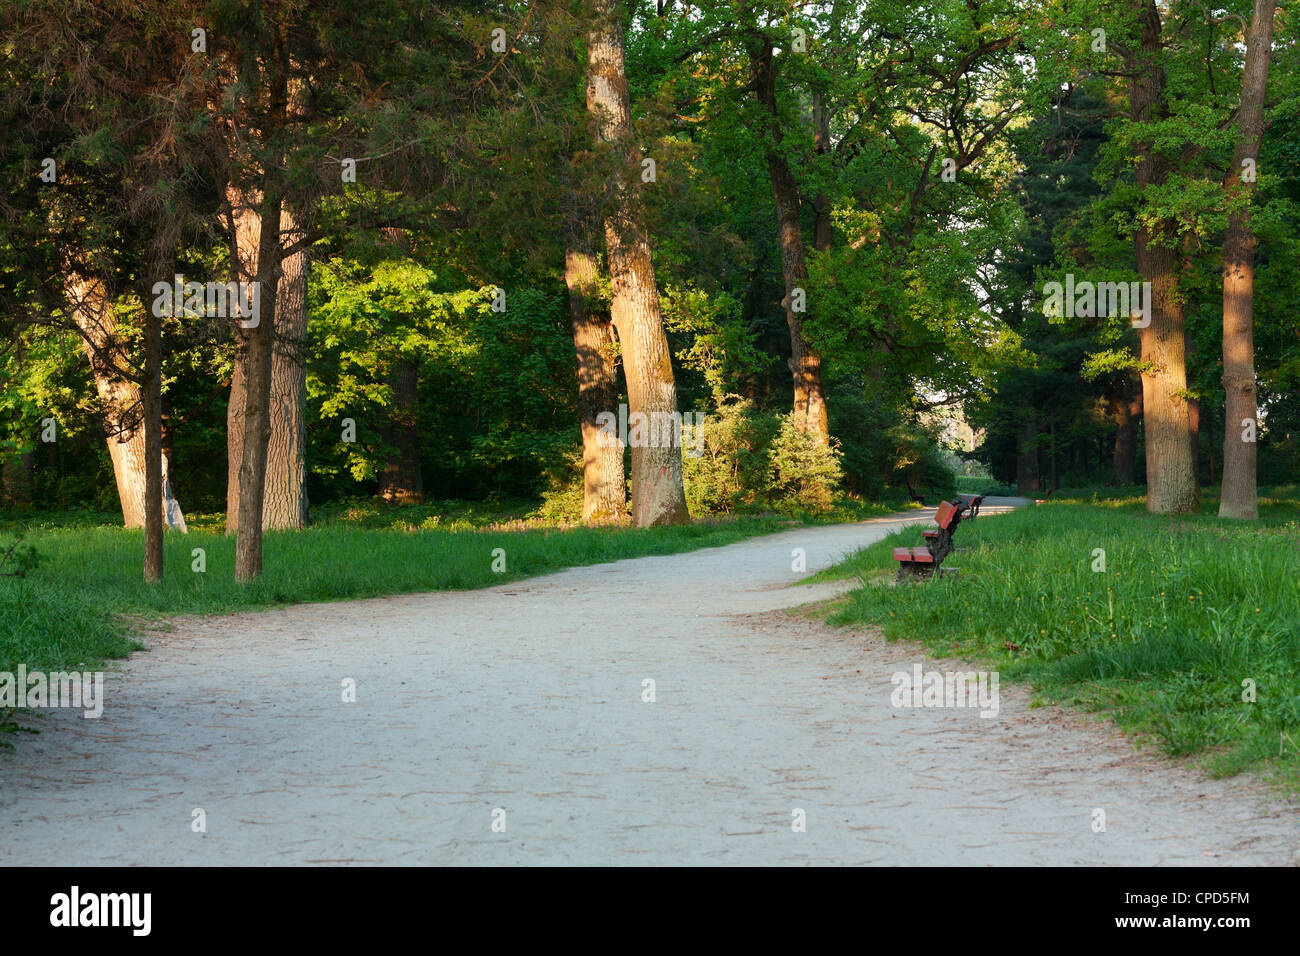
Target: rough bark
805,362
1239,498
258,340
257,344
1171,471
285,504
119,398
658,496
285,501
244,229
604,495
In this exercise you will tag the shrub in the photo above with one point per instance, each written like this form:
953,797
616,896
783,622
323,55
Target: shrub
729,472
803,473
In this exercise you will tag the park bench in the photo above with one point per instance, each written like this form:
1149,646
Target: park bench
923,562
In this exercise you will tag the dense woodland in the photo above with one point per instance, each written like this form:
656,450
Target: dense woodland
474,229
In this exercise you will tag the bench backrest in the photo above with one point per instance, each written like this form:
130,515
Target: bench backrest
946,513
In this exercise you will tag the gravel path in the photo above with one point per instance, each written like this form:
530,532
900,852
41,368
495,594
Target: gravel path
528,698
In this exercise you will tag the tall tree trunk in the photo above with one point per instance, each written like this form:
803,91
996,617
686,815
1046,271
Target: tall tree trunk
257,395
153,451
658,496
604,493
119,398
285,504
805,362
244,230
1171,471
1239,497
258,340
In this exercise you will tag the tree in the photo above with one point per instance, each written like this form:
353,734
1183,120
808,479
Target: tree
658,496
604,495
1238,498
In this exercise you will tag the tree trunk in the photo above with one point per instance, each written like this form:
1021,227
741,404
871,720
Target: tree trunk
285,504
119,398
1239,497
657,493
604,494
257,397
805,362
1171,472
244,230
153,453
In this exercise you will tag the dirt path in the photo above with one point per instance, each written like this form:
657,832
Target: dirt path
528,698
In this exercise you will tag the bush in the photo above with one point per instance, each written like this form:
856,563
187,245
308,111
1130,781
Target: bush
803,473
729,472
921,463
563,496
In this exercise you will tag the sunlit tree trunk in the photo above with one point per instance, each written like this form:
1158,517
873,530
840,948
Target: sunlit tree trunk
119,398
1171,471
604,496
658,496
805,362
285,504
244,232
1239,498
257,345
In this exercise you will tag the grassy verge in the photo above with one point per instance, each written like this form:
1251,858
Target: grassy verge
1187,616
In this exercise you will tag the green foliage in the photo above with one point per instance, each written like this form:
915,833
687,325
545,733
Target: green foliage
18,559
728,474
803,473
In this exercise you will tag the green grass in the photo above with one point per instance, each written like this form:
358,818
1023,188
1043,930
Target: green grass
983,486
1162,640
80,605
